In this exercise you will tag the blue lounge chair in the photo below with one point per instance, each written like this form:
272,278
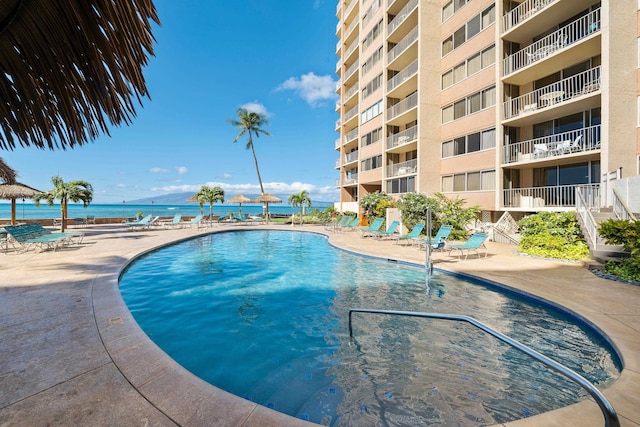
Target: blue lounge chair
142,224
475,243
25,236
176,222
414,234
439,241
196,221
351,225
388,232
375,226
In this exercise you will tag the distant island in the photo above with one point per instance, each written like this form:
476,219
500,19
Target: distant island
181,199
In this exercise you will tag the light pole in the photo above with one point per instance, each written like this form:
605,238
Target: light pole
123,210
152,208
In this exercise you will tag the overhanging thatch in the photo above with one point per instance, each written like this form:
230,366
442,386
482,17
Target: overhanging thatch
7,174
70,68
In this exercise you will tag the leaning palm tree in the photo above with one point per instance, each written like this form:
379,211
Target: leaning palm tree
301,199
209,195
7,174
74,190
250,122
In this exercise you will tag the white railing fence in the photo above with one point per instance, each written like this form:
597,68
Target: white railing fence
588,198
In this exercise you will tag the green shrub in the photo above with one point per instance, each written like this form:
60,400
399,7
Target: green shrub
626,269
553,235
413,209
374,204
627,234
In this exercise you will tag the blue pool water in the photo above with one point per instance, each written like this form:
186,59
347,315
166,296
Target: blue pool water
263,314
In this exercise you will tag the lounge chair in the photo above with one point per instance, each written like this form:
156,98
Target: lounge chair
176,222
475,243
439,241
351,225
25,236
388,232
413,235
374,226
141,224
196,221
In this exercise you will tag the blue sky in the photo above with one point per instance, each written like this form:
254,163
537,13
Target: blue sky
211,58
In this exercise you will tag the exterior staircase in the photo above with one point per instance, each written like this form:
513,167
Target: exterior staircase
600,251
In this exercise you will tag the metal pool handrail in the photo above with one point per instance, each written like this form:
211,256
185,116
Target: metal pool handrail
610,416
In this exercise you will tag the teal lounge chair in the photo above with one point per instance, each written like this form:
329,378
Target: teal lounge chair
388,232
176,222
139,225
439,241
351,225
414,234
196,221
475,243
375,226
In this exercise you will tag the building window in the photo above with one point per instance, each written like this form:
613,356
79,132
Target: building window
471,104
371,112
469,181
374,162
469,67
371,137
401,185
471,143
470,29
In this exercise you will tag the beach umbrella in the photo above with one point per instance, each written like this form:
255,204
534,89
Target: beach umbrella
16,191
239,199
267,198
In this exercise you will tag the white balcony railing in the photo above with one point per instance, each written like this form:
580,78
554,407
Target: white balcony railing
352,91
352,69
337,163
560,196
522,12
402,45
569,34
401,16
404,75
350,28
401,138
403,106
337,143
409,167
353,46
575,141
351,179
351,157
554,94
351,113
353,134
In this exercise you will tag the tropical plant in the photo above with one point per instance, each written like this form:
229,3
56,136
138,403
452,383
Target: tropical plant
250,123
452,211
301,199
552,235
413,209
375,204
626,233
209,195
75,191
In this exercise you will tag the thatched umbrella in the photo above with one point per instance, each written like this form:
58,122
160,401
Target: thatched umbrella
70,69
267,198
195,199
239,199
16,191
7,174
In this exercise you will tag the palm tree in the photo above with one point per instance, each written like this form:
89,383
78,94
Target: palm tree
301,199
74,190
209,195
250,122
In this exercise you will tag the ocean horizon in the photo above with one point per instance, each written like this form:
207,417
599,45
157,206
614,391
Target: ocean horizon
26,210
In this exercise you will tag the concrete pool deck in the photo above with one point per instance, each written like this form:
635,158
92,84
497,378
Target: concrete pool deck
71,354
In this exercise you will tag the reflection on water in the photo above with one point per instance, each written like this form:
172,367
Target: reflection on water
264,315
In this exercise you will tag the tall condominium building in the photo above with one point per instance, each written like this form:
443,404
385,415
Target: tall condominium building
511,105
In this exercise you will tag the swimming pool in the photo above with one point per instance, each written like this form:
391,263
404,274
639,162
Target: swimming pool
263,315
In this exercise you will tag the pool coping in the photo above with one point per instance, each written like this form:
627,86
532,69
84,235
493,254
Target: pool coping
126,378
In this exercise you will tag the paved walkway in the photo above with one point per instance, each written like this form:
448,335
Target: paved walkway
71,354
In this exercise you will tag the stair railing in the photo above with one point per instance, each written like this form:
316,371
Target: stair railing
583,209
610,416
504,227
620,208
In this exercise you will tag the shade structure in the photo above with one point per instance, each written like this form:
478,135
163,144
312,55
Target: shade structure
267,198
71,69
239,199
16,191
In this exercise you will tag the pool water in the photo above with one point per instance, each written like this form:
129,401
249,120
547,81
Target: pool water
263,315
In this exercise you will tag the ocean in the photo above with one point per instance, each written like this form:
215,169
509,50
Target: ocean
28,210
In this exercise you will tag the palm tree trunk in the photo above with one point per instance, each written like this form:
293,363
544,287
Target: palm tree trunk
255,159
63,214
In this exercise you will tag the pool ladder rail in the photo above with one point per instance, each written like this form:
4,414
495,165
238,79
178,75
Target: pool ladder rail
610,416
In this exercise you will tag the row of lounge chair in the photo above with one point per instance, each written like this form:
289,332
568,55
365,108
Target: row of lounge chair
475,243
149,221
26,236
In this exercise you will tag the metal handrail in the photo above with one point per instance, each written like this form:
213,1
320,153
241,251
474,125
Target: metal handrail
610,416
583,209
620,207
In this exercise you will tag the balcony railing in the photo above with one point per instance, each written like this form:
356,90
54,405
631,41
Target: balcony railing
402,45
409,167
352,91
401,16
350,28
351,157
403,106
351,179
337,143
353,46
565,36
404,75
561,196
575,141
401,138
337,163
556,93
352,69
353,134
350,114
350,7
525,10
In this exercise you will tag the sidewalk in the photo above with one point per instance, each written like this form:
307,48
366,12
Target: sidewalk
71,354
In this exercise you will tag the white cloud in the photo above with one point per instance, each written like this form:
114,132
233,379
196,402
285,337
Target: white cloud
159,170
255,107
226,175
313,89
181,170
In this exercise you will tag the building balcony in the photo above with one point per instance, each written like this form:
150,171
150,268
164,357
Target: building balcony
350,180
522,12
351,157
406,74
398,113
575,142
405,51
350,115
337,164
555,94
351,136
353,47
351,74
409,167
580,36
539,198
403,138
402,17
337,144
350,97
